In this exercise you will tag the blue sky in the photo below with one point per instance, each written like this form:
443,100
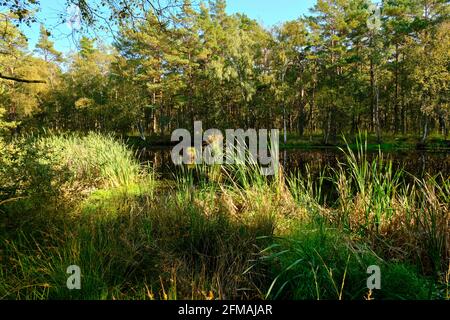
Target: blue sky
267,12
271,12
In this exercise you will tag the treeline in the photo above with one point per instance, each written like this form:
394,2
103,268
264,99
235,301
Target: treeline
341,69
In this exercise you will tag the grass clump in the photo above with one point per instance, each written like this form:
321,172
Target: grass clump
135,246
94,159
70,164
314,262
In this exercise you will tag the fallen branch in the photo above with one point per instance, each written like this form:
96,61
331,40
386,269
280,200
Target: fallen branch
21,80
11,199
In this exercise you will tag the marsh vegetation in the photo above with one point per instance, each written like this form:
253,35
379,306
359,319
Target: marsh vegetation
83,181
212,232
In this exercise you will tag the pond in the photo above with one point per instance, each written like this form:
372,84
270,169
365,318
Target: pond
418,163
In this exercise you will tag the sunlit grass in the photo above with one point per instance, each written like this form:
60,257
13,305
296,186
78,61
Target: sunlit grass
227,231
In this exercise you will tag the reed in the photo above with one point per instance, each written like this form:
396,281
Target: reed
220,232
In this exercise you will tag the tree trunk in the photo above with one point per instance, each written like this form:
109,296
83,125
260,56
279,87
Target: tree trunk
425,130
372,95
396,117
302,115
443,124
311,111
374,102
284,123
328,127
377,114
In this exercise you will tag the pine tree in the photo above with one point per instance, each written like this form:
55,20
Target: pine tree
46,47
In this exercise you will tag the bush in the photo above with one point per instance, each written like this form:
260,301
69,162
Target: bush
56,164
94,160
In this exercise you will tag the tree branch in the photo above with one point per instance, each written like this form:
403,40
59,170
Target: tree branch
21,80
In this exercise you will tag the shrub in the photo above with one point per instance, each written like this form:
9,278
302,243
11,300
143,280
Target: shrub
56,164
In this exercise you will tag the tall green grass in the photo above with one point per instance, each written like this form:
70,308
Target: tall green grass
94,158
133,246
74,164
319,263
217,232
401,218
366,188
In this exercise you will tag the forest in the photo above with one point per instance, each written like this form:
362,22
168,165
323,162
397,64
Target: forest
327,73
80,160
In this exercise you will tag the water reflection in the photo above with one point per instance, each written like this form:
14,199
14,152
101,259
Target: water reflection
418,163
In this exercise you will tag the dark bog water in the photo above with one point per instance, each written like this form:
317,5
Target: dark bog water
418,163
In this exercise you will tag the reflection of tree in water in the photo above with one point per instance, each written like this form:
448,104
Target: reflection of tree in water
414,162
422,163
160,159
315,160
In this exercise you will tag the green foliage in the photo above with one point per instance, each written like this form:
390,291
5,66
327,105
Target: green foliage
83,199
318,263
235,236
54,164
130,245
5,125
374,182
327,73
94,158
46,47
